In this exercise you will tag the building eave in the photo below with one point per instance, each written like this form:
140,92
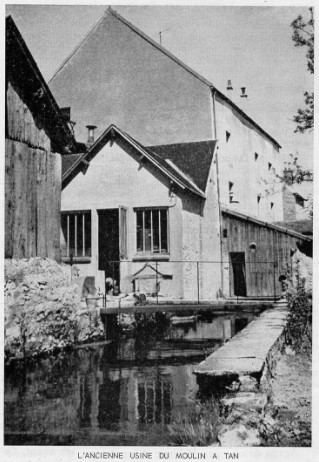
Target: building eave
244,217
111,133
58,130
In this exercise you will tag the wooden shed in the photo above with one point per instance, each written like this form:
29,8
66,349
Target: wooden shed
256,254
36,136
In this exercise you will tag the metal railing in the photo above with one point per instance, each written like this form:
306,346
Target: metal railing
193,280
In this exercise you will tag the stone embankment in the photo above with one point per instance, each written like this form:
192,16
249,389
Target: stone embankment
43,310
247,362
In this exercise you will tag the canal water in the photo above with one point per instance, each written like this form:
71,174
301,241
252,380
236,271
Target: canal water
128,391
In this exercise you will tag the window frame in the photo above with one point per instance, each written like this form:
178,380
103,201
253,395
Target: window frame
86,258
150,254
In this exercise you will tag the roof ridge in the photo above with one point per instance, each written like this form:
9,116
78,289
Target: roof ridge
179,144
172,57
160,47
78,46
190,70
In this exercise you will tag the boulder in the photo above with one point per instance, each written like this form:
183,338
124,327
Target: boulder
238,435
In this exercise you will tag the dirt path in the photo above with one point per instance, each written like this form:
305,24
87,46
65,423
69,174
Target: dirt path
288,415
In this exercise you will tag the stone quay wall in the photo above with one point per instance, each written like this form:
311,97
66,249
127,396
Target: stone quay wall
43,311
247,410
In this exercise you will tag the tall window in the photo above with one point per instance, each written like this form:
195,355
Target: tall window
152,231
76,233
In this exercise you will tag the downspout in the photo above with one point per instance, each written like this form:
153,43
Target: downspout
218,195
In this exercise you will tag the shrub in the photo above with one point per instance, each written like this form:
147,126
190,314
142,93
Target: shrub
300,314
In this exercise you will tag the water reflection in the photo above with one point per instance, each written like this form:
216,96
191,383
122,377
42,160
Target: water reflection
122,393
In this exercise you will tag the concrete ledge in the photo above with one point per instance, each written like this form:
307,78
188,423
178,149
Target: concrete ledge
247,352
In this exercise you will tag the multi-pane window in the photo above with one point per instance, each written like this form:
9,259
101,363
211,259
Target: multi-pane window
76,234
152,231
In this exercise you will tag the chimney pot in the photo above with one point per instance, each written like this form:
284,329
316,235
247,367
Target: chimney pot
243,92
91,129
229,85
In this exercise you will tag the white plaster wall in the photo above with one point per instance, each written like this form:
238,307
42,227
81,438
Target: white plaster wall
201,243
114,178
210,269
237,164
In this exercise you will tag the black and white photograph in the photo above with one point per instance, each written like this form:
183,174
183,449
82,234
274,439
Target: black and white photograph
158,232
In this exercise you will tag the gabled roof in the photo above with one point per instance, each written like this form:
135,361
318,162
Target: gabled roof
176,60
72,165
23,72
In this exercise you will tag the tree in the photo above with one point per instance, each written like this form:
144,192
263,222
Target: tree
303,35
294,173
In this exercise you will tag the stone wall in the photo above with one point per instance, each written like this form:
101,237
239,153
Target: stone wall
43,309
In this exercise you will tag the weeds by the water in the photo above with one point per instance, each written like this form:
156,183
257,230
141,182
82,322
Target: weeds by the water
195,425
300,315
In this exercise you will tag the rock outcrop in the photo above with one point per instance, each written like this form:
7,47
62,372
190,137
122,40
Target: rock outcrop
43,309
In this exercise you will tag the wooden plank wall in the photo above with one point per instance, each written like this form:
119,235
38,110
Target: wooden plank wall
271,258
32,186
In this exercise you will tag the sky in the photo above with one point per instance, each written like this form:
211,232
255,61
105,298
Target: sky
251,45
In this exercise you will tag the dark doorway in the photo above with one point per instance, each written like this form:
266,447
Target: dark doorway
109,252
239,273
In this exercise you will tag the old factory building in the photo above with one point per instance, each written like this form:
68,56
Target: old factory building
118,75
174,193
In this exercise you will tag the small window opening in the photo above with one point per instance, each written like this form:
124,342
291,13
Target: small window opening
258,198
227,136
271,205
225,232
256,155
299,200
230,191
269,166
233,199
